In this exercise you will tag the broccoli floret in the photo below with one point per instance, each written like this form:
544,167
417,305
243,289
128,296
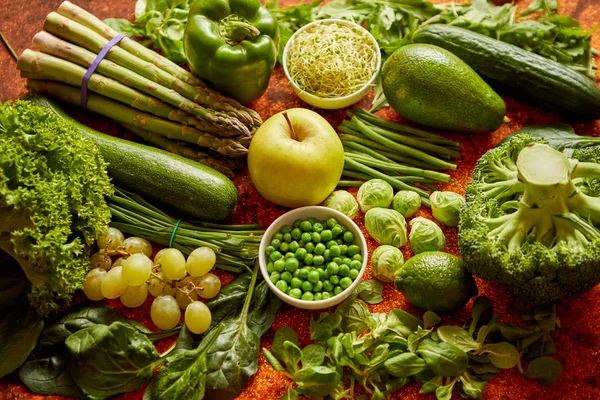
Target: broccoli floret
531,219
53,184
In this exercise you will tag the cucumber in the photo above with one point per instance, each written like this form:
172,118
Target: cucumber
545,80
185,186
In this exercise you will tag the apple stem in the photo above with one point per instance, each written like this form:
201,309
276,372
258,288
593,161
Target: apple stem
290,125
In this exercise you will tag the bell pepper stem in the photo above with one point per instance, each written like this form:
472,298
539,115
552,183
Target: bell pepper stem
235,29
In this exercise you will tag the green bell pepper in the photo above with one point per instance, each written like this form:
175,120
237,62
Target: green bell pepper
233,44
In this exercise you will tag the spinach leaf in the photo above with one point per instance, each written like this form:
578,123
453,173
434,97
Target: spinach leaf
458,337
184,374
370,291
313,355
546,370
49,376
264,309
379,355
108,360
233,358
405,365
230,299
502,355
415,338
316,381
443,359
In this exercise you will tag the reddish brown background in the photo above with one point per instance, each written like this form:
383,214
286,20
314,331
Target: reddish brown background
578,341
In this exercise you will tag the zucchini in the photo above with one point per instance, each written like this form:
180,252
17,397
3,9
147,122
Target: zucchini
187,187
545,80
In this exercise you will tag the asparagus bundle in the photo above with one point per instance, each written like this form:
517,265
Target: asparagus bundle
376,148
236,246
136,87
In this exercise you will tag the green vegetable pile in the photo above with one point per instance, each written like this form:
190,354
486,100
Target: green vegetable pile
386,351
52,208
531,220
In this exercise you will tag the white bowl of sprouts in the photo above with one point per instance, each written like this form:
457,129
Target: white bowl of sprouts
331,63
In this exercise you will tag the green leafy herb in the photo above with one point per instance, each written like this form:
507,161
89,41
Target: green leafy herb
370,291
443,359
503,355
546,370
405,364
458,337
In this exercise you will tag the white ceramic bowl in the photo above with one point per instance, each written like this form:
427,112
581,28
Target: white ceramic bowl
335,102
320,213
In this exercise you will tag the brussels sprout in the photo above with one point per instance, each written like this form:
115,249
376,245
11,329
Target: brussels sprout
445,207
375,193
386,226
425,235
386,262
342,201
407,203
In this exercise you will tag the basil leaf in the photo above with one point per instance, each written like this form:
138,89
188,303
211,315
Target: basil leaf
546,370
324,327
285,334
430,319
184,374
370,291
49,376
290,394
108,360
458,337
313,355
443,359
503,355
316,381
405,365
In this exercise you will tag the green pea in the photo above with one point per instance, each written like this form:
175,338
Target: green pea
296,283
295,293
321,272
353,250
348,237
285,247
285,229
286,276
269,250
337,290
346,261
327,255
275,256
275,243
308,259
328,286
344,270
306,237
330,244
318,296
310,247
319,248
337,260
287,237
334,279
313,276
317,227
307,286
353,274
305,226
357,257
344,228
308,296
318,286
296,273
300,253
333,268
294,246
326,295
336,231
339,242
304,273
335,251
289,254
343,249
278,236
316,237
282,285
318,260
291,264
270,267
312,221
297,223
355,264
345,282
275,276
279,265
326,235
331,222
296,234
301,243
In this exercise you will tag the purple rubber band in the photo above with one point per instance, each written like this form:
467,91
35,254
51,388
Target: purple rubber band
94,65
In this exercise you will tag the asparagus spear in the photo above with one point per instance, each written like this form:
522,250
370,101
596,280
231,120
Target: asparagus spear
182,150
205,96
54,46
130,116
80,35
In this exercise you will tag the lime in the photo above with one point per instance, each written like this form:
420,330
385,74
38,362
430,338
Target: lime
436,281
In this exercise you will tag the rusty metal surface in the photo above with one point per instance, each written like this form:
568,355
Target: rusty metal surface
577,342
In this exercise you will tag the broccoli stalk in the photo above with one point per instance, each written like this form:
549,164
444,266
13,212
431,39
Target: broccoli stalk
53,185
527,223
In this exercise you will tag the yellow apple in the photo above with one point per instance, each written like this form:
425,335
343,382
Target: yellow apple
296,158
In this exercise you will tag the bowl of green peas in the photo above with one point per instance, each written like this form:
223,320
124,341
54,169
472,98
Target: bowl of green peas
313,257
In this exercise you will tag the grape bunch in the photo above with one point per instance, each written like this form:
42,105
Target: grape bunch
175,282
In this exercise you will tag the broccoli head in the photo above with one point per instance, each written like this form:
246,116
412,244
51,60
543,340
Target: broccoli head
531,219
53,184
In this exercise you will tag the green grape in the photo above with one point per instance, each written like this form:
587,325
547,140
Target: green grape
111,240
113,285
92,284
134,245
210,286
165,312
158,256
173,264
100,260
186,294
157,283
197,317
134,296
137,269
200,261
119,262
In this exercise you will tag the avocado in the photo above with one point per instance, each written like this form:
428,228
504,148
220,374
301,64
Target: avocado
431,86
